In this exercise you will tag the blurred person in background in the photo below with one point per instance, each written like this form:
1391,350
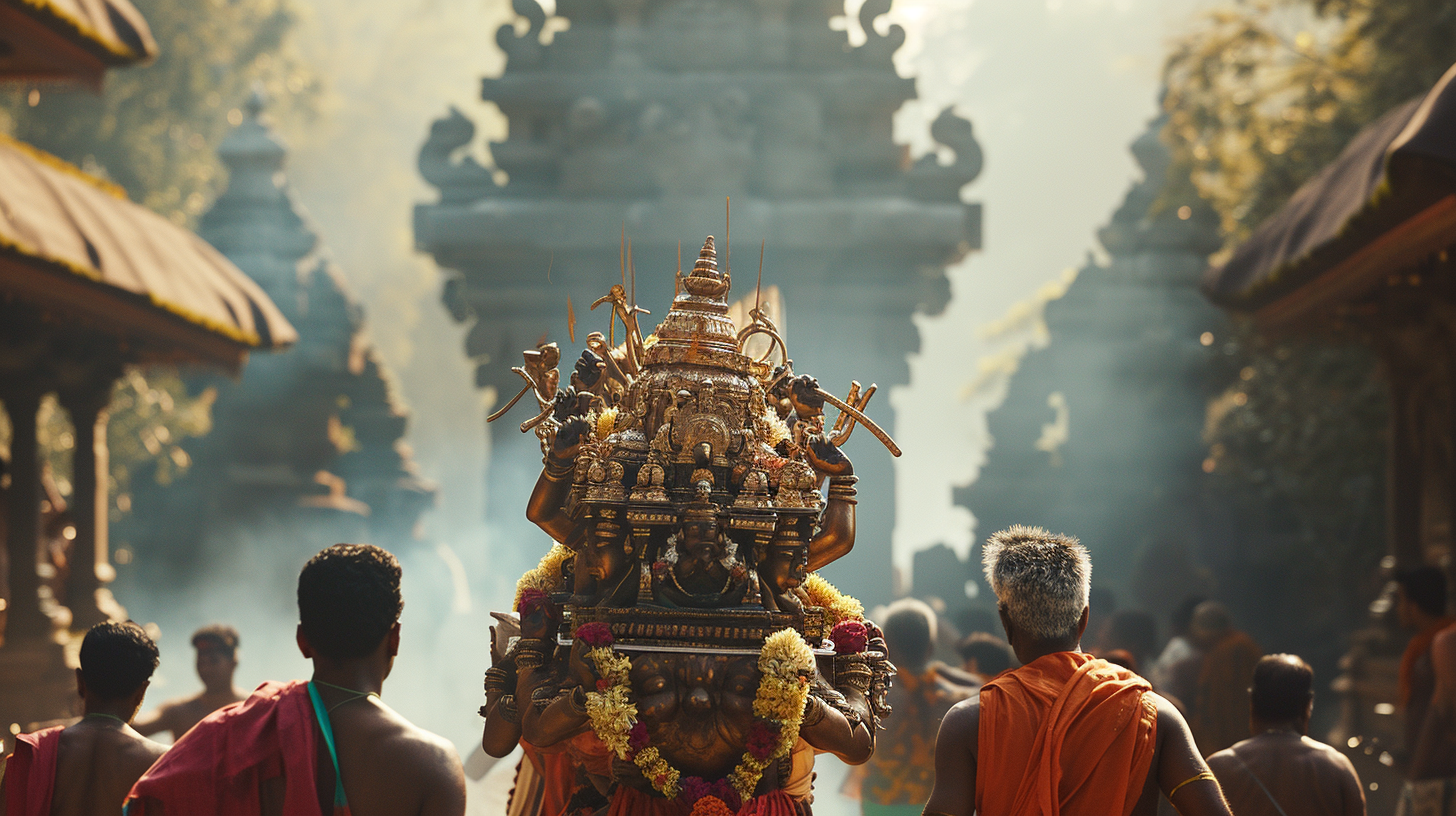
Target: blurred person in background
898,779
88,767
1134,632
1175,673
983,656
1420,606
1432,786
1220,700
1280,771
217,660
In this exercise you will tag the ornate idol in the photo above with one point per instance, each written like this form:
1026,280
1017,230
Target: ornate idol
676,646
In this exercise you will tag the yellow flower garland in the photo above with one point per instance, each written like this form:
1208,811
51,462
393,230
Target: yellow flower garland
546,576
785,662
838,607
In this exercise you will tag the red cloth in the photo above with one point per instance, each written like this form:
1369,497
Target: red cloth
217,767
1066,733
30,773
559,773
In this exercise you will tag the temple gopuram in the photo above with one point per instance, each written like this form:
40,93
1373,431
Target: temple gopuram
90,284
1101,430
629,129
307,447
675,651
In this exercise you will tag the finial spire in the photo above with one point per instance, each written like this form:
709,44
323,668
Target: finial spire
707,263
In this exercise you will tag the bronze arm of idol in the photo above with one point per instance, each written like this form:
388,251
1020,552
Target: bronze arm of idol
546,507
502,716
836,527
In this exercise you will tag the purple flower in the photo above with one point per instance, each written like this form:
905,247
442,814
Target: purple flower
763,739
850,637
595,634
637,738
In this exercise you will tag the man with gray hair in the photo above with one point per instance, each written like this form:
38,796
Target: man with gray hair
1066,732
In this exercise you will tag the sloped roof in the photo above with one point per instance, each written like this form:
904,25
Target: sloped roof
1387,201
74,243
76,40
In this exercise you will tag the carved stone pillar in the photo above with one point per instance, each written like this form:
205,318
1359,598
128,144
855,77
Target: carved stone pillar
91,569
24,618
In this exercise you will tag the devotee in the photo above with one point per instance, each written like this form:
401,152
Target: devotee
326,746
1066,732
1280,771
900,774
1175,673
1433,764
983,655
88,767
1220,700
217,660
1134,632
1420,606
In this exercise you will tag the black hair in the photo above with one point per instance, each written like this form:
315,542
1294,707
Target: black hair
909,633
116,659
348,599
1283,687
1425,587
216,636
992,654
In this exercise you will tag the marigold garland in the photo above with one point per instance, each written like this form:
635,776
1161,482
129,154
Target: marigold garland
711,806
546,576
786,662
837,605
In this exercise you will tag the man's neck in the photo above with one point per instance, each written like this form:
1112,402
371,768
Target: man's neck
224,690
1280,728
108,711
1035,651
355,675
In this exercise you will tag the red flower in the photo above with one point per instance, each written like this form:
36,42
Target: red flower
659,567
637,738
763,739
603,685
850,637
595,634
533,600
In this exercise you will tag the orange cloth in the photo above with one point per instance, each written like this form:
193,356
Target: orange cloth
1419,647
1220,714
30,773
1066,733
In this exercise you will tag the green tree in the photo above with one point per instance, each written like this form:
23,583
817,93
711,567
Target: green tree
155,128
1262,97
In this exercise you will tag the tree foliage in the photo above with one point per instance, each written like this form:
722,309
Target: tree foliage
155,128
1262,96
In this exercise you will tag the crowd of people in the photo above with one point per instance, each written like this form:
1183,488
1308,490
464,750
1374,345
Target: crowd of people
1031,723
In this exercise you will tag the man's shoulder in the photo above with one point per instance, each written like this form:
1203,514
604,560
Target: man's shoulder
411,743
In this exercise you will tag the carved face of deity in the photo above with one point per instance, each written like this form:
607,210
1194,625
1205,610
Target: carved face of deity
786,567
604,557
700,555
697,707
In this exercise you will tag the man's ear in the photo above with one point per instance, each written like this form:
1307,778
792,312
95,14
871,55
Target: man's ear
80,685
1006,626
136,699
1082,624
393,639
302,640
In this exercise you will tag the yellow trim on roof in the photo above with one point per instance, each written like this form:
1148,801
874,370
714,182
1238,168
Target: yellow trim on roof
235,333
57,163
112,46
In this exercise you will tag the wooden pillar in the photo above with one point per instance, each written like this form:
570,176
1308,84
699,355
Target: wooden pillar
91,566
24,618
1404,469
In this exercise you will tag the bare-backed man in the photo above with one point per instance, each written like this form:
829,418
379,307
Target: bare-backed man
1280,771
326,746
87,768
1066,733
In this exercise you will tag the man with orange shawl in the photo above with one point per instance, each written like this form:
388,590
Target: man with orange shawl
1066,732
1221,698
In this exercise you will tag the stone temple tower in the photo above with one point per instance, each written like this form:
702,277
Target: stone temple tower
307,447
640,119
1100,435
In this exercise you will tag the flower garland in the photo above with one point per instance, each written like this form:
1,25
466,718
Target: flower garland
838,607
786,662
546,576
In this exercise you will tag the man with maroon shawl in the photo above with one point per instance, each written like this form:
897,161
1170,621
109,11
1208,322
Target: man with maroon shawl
328,746
88,767
1066,732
